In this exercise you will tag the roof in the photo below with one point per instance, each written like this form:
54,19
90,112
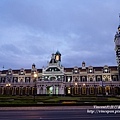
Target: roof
68,69
112,68
58,53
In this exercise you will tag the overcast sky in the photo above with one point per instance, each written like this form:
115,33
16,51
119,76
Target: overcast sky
82,30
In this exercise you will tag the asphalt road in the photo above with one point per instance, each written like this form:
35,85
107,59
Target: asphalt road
57,114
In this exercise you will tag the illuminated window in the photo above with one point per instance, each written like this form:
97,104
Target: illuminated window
69,91
91,90
90,71
68,79
57,57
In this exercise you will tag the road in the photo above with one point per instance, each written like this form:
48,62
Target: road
70,113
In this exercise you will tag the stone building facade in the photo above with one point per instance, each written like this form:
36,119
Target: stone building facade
54,79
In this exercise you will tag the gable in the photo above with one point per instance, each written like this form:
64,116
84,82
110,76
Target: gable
52,69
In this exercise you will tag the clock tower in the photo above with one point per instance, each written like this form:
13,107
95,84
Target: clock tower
117,47
58,56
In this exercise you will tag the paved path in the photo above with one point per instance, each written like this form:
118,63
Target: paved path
47,108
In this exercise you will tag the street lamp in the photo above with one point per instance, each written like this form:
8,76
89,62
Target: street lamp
34,76
7,85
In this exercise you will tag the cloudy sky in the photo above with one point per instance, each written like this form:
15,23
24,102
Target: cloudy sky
82,30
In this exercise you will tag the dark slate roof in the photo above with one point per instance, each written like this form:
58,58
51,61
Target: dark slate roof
83,70
39,70
58,53
68,69
98,68
4,71
15,71
113,68
28,70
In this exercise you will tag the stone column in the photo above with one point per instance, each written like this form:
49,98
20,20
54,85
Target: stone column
62,90
44,89
54,88
38,90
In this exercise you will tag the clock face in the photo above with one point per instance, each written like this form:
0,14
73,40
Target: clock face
90,70
76,71
106,70
57,57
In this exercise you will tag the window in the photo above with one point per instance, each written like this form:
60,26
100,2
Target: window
69,91
68,79
83,79
27,79
98,78
15,79
91,90
3,79
9,79
76,79
114,78
91,79
106,79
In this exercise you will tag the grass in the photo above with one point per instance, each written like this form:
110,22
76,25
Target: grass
113,99
5,100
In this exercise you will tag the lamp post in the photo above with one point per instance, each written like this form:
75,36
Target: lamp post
7,86
35,76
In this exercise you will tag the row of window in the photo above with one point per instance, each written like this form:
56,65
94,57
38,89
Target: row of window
75,71
97,78
91,70
59,78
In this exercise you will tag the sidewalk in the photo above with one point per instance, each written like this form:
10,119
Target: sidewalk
47,108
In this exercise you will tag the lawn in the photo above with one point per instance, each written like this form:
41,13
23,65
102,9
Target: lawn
4,100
